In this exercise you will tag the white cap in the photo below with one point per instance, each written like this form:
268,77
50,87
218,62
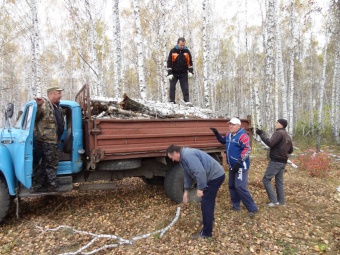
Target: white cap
235,121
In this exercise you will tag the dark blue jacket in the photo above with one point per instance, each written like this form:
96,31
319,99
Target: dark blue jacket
237,148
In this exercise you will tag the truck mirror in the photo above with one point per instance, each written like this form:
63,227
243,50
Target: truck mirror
9,110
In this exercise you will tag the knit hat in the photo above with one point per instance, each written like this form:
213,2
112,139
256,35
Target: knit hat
283,122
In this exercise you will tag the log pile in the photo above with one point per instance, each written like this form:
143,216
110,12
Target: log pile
128,108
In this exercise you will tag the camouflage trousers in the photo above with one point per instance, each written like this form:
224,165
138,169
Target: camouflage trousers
45,174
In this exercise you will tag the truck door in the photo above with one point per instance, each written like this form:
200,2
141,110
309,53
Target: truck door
22,147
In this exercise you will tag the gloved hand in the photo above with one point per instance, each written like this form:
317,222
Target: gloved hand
214,130
191,70
259,131
190,75
236,167
170,77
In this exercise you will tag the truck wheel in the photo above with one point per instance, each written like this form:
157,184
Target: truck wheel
155,181
174,183
5,199
217,157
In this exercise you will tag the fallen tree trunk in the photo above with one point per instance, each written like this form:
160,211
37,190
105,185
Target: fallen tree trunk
129,104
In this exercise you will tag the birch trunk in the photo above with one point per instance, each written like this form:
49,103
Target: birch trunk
142,85
276,114
116,49
270,28
336,84
36,66
205,54
336,95
2,60
281,71
336,74
94,37
161,58
75,19
291,70
321,92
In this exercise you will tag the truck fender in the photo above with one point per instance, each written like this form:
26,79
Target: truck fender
7,170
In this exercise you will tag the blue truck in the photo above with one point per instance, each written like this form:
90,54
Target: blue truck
93,150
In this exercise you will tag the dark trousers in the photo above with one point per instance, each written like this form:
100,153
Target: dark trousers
183,81
46,172
275,169
208,204
238,182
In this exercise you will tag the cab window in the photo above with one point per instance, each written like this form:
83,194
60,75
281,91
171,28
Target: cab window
26,124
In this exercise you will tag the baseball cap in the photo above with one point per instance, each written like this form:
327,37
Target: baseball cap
54,88
235,121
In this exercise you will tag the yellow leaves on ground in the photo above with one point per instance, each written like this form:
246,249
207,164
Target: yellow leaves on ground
308,224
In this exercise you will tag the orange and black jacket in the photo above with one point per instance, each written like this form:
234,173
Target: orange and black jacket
179,61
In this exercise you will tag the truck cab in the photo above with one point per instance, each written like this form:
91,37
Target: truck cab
17,146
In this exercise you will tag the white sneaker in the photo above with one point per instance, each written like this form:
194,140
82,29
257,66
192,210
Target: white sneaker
272,204
188,103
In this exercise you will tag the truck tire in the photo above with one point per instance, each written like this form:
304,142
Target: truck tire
174,183
5,200
154,181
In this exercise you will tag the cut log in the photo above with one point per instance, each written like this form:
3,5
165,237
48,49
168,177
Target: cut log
98,107
129,104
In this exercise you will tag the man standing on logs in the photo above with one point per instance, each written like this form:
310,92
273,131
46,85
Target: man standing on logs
179,66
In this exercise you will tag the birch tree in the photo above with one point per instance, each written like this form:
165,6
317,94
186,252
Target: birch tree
270,29
3,34
35,49
280,79
74,13
162,56
321,92
139,41
335,119
206,53
94,57
117,61
291,67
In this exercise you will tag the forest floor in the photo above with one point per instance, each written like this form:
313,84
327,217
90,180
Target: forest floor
308,224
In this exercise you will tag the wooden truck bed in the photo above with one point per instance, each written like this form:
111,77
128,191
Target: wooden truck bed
111,139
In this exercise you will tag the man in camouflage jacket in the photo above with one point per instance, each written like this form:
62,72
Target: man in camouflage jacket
49,126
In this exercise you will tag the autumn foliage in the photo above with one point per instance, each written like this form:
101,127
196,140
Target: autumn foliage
317,164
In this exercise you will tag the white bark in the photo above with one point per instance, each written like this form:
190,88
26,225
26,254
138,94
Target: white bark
94,57
75,19
291,70
206,53
117,62
142,85
36,66
336,75
276,16
2,42
321,93
336,95
162,56
270,28
280,66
